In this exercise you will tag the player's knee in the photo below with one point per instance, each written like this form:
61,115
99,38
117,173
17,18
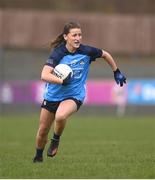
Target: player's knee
42,132
60,117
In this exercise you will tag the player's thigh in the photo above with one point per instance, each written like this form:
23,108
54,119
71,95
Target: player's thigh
65,109
46,119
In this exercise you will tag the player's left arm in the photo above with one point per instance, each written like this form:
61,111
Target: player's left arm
118,75
109,59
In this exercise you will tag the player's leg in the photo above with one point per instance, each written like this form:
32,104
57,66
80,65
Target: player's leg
46,119
65,109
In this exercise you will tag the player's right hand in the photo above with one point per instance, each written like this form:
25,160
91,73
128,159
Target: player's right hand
66,81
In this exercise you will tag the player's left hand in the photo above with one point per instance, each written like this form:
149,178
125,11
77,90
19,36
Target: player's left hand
119,77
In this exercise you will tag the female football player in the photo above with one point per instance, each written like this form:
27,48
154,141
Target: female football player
62,98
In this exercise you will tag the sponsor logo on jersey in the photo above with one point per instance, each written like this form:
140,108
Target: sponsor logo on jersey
74,62
82,62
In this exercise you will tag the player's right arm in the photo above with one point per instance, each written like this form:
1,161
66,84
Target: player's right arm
48,76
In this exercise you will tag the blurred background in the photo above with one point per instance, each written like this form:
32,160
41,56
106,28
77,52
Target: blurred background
123,28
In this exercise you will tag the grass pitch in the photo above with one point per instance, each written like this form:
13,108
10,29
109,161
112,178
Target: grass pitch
91,147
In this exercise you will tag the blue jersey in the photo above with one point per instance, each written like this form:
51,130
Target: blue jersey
79,62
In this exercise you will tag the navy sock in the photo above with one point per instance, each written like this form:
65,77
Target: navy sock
56,137
39,152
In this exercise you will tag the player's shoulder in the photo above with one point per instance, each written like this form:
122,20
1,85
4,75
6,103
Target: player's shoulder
58,51
59,48
85,48
89,50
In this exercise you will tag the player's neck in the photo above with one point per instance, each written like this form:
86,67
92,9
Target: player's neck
71,49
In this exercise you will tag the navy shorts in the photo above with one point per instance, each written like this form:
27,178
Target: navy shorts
52,106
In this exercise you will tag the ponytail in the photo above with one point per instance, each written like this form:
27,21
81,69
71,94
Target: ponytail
57,41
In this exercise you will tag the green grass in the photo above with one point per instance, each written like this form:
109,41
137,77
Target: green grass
100,147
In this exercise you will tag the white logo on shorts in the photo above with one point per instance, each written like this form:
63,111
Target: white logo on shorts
45,103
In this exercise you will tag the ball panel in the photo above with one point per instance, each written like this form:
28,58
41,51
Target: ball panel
62,71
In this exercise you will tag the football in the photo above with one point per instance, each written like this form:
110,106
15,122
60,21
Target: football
62,71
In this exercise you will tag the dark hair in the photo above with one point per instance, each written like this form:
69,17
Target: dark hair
66,30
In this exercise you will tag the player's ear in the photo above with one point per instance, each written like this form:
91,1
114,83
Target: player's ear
65,37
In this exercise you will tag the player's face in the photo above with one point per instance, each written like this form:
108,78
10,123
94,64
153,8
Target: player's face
73,39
